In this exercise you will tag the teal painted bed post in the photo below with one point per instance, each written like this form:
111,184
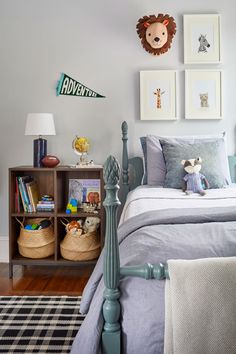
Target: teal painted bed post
125,162
132,168
111,335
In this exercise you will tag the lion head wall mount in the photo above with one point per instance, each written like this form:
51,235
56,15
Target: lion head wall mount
156,33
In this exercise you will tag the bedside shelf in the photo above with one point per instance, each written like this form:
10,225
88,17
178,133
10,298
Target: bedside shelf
79,214
18,259
34,215
52,181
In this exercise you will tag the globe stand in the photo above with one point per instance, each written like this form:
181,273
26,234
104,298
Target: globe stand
83,160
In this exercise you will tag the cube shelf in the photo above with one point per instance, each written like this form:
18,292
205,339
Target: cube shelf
52,181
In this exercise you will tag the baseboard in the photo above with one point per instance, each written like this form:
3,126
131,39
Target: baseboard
4,249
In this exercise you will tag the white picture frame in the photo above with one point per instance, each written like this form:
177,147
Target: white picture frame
203,94
202,39
158,95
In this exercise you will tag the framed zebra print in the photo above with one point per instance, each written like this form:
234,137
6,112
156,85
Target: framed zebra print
202,39
158,95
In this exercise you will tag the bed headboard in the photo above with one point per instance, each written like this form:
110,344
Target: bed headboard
132,168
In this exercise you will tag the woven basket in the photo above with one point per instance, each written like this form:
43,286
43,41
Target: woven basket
80,248
36,243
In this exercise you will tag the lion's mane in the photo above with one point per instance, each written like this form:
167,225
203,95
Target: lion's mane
141,30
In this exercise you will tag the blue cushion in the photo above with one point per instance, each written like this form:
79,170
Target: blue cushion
210,153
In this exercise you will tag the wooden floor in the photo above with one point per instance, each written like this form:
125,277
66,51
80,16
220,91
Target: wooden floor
43,280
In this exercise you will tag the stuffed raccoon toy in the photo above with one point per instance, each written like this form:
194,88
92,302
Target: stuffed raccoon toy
194,182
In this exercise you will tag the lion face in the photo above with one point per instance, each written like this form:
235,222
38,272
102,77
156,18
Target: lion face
156,35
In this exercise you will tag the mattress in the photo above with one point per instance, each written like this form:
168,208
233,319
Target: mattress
147,198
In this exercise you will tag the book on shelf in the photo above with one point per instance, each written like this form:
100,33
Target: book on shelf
17,198
23,192
46,204
33,193
85,191
27,192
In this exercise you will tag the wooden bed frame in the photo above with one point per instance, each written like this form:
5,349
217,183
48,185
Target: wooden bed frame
132,172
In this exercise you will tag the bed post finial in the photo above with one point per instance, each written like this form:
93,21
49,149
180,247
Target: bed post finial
111,263
125,161
111,171
124,128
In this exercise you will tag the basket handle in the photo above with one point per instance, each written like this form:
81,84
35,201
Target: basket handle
21,223
63,222
51,219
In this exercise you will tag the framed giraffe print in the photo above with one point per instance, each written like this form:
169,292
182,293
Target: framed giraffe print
202,39
158,95
203,94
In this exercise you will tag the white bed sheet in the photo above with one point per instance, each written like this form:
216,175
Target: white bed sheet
146,198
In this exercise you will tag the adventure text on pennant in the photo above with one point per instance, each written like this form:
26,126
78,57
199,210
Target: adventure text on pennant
70,87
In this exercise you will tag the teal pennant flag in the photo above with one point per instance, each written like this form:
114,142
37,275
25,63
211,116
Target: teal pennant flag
70,87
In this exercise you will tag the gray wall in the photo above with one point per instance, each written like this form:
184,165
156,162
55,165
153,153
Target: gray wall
96,43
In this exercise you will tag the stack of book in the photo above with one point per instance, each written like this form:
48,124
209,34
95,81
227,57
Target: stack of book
26,194
46,204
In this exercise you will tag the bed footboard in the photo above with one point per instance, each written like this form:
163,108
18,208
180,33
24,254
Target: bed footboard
111,336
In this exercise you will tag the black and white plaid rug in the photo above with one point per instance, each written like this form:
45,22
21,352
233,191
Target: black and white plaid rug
38,324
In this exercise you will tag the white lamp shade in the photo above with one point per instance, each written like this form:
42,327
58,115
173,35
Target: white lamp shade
40,124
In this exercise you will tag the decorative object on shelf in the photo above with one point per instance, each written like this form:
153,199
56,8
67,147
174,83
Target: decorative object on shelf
72,206
203,94
91,224
81,147
89,208
87,194
202,39
40,124
156,33
75,191
158,95
36,242
74,228
70,87
78,246
50,161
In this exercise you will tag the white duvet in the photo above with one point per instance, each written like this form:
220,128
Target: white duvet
146,198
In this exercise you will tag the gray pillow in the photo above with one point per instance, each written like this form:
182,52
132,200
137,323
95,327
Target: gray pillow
155,163
143,142
211,163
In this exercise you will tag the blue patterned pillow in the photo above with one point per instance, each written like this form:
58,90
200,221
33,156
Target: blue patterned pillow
211,163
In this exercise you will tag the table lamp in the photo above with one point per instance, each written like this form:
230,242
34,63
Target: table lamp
40,124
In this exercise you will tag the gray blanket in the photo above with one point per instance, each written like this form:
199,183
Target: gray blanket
153,237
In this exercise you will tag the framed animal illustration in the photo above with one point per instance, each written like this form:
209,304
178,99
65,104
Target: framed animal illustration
158,95
156,33
202,39
203,94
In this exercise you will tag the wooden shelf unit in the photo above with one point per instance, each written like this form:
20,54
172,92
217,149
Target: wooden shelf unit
52,181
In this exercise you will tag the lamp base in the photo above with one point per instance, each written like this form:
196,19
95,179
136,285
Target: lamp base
40,150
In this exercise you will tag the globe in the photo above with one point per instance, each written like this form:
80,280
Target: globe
81,146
